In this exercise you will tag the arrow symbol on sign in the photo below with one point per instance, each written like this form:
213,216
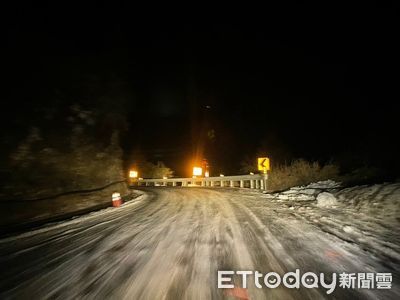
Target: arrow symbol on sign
262,163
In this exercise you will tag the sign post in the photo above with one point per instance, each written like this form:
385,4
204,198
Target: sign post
264,166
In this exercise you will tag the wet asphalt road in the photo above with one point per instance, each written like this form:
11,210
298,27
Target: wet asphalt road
170,243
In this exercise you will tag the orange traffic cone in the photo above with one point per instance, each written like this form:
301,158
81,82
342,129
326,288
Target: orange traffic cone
116,199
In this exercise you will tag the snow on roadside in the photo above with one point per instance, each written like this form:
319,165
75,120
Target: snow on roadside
326,199
327,184
366,215
380,200
107,212
306,193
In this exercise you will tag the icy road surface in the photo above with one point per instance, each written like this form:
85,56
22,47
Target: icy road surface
169,244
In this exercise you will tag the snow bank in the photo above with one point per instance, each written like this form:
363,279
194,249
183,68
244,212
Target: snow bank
327,184
307,193
366,215
380,200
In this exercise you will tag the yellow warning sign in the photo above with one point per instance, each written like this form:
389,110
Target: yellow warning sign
263,164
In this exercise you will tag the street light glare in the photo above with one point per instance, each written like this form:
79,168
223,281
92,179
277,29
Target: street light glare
133,174
197,171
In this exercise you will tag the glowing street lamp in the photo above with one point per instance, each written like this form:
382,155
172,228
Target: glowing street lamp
197,171
133,174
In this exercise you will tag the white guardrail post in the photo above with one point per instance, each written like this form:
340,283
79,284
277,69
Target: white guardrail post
257,181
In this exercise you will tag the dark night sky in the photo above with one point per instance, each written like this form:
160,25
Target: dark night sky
316,82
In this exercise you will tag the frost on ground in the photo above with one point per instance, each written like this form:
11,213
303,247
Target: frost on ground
366,215
170,242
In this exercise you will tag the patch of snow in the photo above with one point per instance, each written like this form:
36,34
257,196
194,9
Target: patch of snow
306,193
303,197
309,191
296,196
326,199
283,197
292,191
326,184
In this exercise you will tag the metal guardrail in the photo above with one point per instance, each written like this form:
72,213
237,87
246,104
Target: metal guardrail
255,181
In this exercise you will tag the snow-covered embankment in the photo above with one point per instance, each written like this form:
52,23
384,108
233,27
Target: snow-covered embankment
366,215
